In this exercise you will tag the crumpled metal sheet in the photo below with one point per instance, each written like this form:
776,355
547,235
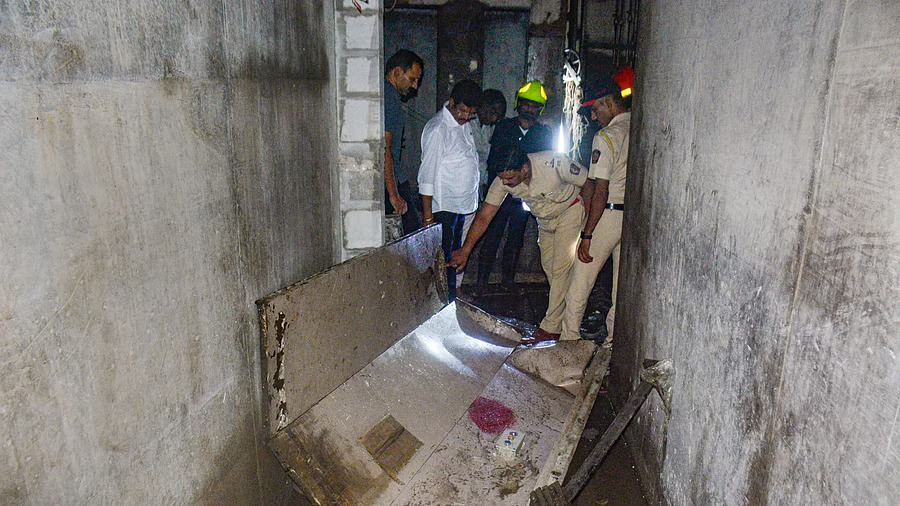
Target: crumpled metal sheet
562,365
368,340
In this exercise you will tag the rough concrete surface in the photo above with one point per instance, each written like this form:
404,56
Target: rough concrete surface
761,251
164,165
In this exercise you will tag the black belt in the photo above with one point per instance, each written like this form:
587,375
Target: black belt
616,207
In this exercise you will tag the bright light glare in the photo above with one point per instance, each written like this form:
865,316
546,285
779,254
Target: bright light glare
435,347
525,207
561,145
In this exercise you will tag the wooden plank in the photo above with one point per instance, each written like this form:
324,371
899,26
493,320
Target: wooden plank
550,495
557,464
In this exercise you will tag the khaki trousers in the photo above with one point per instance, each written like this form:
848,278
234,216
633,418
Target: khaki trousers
558,240
607,238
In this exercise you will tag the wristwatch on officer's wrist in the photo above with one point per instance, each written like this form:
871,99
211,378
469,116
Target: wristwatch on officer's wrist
586,236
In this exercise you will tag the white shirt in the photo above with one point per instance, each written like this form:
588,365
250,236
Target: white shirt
482,134
609,156
449,170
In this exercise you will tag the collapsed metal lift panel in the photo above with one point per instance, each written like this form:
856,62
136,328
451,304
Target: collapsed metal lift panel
351,365
319,332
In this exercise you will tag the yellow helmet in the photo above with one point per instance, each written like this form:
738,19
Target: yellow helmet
534,91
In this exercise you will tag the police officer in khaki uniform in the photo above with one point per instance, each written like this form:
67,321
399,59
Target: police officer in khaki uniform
549,183
604,194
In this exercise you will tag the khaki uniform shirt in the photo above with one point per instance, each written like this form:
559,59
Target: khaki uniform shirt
609,156
555,182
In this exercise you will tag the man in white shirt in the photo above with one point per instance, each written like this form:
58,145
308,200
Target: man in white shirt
448,176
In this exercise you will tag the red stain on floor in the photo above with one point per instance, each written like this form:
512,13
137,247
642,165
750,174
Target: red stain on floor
491,416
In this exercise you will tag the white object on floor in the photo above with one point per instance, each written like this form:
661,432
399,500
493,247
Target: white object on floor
510,442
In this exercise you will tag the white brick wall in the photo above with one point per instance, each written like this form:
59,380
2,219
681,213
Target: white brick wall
363,229
359,56
361,120
363,75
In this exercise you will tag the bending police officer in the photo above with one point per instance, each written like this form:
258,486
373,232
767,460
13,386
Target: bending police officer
525,132
550,184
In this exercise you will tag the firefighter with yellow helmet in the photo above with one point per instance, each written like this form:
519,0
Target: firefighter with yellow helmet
523,131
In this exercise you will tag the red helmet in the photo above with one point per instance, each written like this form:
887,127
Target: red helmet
624,77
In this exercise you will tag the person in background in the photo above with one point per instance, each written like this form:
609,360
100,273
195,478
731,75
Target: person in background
493,108
402,74
448,175
525,132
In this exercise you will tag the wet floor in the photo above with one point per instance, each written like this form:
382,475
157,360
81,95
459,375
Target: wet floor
616,481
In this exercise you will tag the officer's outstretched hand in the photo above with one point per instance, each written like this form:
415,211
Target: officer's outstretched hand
584,249
458,259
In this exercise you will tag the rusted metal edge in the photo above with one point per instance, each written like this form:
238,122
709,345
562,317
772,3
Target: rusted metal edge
269,323
557,464
266,398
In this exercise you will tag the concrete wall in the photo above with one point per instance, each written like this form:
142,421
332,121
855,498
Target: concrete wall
546,43
164,164
761,250
506,53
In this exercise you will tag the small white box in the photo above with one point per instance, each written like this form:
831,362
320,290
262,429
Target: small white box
510,442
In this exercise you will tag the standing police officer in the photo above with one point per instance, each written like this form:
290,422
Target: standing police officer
604,195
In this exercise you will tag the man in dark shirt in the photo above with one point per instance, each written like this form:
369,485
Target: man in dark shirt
524,131
402,74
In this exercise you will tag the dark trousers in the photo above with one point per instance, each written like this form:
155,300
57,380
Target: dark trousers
451,239
510,213
410,219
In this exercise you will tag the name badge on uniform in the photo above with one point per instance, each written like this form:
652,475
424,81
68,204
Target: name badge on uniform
595,156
